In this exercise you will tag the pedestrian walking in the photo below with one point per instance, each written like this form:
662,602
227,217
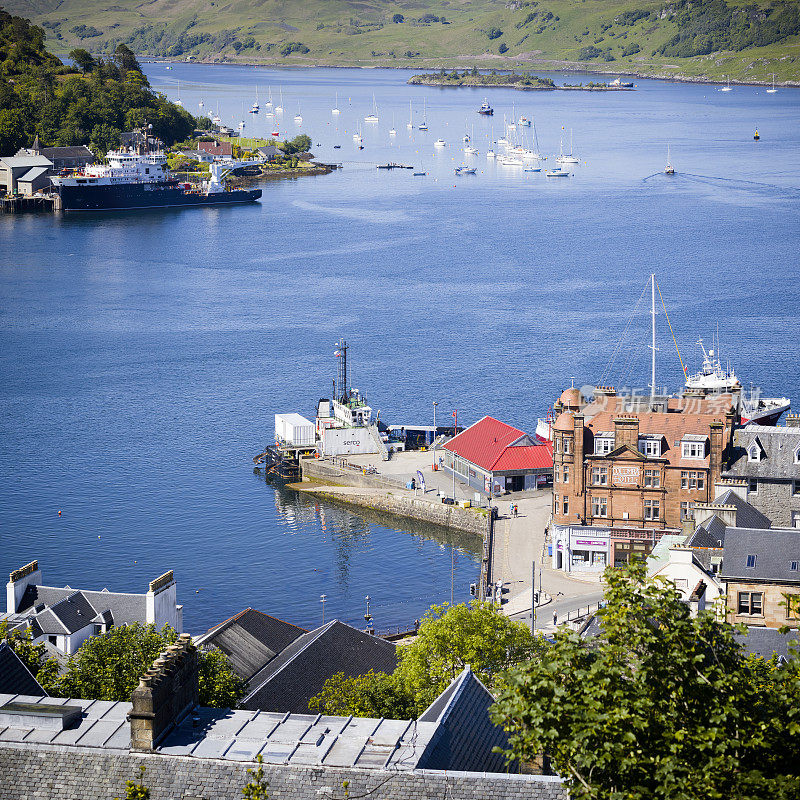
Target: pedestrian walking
555,619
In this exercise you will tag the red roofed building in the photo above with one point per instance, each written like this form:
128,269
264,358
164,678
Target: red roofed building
494,457
222,149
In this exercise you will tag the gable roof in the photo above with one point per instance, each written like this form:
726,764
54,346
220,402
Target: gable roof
465,736
125,608
15,677
250,640
774,550
66,616
747,516
711,534
298,673
488,443
16,162
71,151
765,642
33,173
778,446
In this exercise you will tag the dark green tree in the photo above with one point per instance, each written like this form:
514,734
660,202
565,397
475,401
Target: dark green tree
300,144
108,667
398,18
83,59
449,638
660,706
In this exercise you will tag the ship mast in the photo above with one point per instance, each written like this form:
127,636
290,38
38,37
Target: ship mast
653,339
341,352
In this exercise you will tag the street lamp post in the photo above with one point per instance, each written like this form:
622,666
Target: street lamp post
435,403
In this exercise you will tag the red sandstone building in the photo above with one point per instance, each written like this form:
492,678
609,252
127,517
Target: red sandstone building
625,472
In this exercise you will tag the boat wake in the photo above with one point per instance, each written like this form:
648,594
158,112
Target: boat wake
733,191
735,183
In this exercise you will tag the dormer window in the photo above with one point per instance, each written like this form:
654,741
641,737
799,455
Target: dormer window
797,456
651,447
754,452
694,450
603,445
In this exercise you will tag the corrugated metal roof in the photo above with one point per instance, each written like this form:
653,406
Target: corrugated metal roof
484,443
538,456
33,173
26,161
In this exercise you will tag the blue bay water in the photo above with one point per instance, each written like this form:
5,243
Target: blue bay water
143,355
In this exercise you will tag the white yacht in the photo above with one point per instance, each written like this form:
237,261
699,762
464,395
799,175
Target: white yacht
727,87
773,89
254,109
373,117
335,109
440,143
567,158
669,169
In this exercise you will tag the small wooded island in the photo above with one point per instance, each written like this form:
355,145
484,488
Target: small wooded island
510,80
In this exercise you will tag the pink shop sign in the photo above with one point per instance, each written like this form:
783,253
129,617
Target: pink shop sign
592,542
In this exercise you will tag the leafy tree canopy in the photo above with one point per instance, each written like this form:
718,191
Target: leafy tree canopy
449,638
660,705
108,667
300,144
41,96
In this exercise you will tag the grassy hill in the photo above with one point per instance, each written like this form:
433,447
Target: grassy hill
684,38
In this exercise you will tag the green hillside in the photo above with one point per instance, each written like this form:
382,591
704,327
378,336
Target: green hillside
685,38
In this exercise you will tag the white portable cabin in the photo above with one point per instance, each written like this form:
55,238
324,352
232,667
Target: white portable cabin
294,430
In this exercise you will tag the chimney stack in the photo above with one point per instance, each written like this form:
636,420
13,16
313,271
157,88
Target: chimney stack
166,693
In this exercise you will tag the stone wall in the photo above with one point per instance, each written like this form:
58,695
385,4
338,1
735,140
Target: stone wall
39,772
776,500
389,500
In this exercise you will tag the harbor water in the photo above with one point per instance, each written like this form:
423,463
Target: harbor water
144,354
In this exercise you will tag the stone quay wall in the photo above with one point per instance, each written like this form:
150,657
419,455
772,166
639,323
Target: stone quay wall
38,772
390,500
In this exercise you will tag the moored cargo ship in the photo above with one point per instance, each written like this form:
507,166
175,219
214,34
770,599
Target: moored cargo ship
138,178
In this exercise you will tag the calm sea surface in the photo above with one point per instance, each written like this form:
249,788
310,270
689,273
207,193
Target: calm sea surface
143,355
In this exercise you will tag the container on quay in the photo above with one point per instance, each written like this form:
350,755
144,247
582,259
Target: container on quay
294,429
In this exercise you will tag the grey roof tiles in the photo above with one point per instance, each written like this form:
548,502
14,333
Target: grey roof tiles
774,551
778,449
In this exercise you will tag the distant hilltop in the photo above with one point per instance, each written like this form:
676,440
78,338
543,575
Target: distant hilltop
684,39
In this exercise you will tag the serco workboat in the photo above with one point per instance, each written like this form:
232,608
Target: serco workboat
138,178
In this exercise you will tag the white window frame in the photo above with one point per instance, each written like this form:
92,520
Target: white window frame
600,504
652,510
602,476
565,475
796,519
694,450
650,447
603,445
754,453
752,485
652,478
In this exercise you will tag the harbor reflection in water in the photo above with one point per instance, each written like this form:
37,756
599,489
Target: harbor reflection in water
352,561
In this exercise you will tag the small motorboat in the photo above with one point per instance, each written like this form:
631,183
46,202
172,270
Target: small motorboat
485,108
337,147
490,154
440,143
464,169
557,172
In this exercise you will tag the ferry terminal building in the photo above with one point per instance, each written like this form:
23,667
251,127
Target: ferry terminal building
493,458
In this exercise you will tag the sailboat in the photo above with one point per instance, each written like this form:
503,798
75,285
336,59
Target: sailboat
178,101
727,87
392,131
241,124
201,104
279,108
424,125
773,89
268,104
470,149
217,119
373,117
255,107
568,158
410,123
298,118
490,152
335,109
536,153
669,169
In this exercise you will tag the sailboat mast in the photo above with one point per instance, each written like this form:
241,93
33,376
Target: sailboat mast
653,338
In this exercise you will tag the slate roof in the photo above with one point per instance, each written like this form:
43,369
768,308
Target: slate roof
465,736
711,534
455,734
298,673
774,550
15,677
490,445
71,151
125,608
66,616
250,640
765,642
778,446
